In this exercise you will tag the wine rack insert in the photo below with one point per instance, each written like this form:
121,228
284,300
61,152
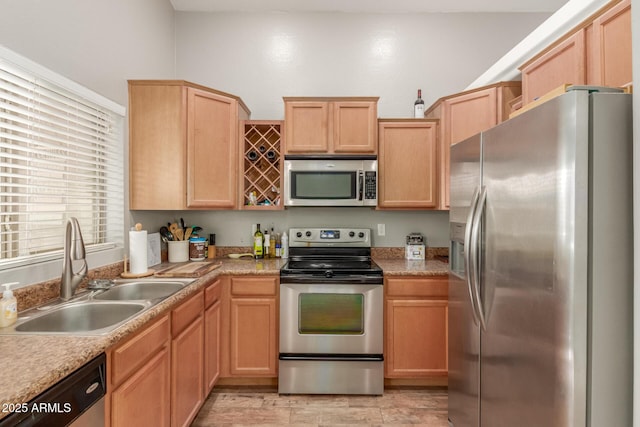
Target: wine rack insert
262,164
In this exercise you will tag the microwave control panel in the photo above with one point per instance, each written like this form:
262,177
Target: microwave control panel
370,185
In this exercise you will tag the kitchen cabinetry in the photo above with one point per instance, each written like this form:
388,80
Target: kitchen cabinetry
564,63
182,146
139,378
596,52
261,163
331,125
407,163
212,334
611,47
416,329
187,360
465,114
253,326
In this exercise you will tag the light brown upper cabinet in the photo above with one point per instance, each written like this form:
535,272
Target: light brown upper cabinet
182,146
407,163
610,60
331,125
465,114
564,63
596,52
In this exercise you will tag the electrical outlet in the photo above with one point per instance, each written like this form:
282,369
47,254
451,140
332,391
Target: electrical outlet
381,230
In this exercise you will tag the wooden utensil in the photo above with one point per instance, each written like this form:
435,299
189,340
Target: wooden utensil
179,234
187,233
173,228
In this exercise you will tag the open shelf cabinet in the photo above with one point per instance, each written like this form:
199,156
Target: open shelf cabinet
261,145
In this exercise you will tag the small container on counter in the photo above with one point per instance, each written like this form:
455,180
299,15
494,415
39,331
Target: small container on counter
212,246
178,250
196,248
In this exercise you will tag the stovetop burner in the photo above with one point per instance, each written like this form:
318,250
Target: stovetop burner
331,256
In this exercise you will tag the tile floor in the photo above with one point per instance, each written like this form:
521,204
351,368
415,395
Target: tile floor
397,407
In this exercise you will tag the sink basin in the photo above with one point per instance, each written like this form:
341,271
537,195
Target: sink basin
86,317
141,290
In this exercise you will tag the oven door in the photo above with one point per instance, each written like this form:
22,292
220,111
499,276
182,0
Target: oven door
331,319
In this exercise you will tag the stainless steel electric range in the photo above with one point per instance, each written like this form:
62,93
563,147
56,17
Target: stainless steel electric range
331,314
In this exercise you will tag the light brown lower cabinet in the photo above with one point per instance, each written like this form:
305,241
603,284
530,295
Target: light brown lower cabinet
253,326
187,360
161,375
416,327
212,335
139,378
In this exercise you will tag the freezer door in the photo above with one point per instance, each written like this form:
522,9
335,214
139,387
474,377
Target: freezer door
533,285
464,334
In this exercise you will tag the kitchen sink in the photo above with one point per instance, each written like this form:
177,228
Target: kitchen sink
141,290
80,318
97,311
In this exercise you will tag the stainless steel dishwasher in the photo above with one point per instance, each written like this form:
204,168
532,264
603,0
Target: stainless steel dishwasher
77,400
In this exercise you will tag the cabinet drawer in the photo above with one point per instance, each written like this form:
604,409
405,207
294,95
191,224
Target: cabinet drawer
212,293
245,286
130,356
182,316
417,287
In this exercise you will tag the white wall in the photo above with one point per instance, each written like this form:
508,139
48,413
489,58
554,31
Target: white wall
99,44
263,57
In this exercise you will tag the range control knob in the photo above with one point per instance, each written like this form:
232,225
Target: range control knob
361,234
298,234
328,274
308,234
351,234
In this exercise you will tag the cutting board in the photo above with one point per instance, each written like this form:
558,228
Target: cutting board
188,269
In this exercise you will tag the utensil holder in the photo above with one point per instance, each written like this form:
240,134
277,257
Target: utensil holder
178,250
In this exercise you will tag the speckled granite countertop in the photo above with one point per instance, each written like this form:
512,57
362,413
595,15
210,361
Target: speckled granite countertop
29,364
403,267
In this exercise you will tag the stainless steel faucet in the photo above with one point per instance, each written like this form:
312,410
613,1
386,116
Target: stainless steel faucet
73,251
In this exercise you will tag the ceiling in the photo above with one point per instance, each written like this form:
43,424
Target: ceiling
368,6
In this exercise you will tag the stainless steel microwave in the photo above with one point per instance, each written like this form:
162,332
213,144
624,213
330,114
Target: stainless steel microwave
323,180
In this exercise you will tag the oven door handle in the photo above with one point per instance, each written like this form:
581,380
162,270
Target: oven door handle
333,357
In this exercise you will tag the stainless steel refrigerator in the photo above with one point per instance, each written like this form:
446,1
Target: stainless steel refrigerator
541,266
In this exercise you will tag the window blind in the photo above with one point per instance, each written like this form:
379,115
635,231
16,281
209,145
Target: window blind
61,156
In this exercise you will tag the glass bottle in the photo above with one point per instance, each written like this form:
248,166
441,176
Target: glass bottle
257,243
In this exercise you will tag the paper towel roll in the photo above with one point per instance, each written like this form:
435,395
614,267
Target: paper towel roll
138,252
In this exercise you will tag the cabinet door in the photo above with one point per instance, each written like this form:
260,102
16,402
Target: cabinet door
254,349
306,126
212,135
465,116
187,374
355,127
611,47
564,63
211,346
407,165
157,162
416,338
144,398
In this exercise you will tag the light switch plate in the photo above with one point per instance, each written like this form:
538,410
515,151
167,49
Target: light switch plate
381,229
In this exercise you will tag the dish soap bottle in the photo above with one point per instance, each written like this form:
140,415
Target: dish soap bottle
8,306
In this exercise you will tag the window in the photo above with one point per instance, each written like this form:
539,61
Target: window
61,156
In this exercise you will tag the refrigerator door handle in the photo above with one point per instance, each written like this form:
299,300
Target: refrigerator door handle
468,250
474,250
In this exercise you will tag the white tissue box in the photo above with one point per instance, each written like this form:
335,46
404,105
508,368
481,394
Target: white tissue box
414,252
